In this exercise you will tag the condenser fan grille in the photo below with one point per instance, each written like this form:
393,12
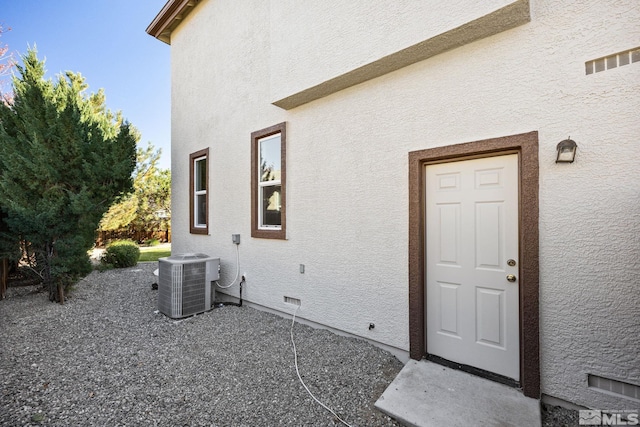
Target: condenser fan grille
193,289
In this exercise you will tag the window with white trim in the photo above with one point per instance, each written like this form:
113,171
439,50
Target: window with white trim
198,192
268,178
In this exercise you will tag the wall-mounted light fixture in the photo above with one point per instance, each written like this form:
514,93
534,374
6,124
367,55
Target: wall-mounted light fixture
566,151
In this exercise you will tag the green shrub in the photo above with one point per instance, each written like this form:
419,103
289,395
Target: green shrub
152,242
121,254
103,266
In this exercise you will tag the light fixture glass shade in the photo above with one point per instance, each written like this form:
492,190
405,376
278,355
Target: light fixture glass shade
566,151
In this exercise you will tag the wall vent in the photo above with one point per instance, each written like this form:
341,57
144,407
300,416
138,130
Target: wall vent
612,61
294,301
615,387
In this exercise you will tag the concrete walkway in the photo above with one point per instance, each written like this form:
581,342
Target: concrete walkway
427,394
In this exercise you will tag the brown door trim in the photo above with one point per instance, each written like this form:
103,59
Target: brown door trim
526,145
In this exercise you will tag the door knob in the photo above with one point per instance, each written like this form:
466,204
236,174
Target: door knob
511,278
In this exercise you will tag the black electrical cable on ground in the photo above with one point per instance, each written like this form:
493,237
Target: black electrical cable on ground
236,304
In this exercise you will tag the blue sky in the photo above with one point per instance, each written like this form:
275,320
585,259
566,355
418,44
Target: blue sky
105,41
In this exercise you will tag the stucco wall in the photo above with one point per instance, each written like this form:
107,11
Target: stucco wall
347,191
310,49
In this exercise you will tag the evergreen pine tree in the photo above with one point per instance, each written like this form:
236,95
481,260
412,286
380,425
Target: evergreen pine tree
136,213
64,158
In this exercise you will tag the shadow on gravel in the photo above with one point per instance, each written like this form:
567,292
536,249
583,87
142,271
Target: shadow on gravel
106,357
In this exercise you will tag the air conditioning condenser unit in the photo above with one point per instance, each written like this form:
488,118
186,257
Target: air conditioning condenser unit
184,284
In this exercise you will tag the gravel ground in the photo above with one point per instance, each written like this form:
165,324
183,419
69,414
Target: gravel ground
105,358
557,416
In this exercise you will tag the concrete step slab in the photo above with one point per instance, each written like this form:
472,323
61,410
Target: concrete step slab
427,394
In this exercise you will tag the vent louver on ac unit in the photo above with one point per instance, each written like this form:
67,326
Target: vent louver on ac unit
184,284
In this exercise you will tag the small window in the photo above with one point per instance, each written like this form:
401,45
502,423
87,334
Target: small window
198,192
268,173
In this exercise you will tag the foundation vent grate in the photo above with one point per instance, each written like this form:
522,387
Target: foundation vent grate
615,387
612,61
290,300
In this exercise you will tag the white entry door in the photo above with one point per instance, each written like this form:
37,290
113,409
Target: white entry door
472,263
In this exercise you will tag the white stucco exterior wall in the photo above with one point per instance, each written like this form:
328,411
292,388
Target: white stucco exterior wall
347,189
356,34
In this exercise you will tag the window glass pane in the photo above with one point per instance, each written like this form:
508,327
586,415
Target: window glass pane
201,210
270,158
271,205
201,174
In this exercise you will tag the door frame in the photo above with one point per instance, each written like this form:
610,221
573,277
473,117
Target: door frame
526,145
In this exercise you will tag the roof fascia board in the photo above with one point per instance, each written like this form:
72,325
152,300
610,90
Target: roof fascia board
169,17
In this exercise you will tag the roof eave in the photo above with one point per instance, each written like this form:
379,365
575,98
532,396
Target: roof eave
173,12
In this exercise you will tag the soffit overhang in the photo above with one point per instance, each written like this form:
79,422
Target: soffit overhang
173,12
